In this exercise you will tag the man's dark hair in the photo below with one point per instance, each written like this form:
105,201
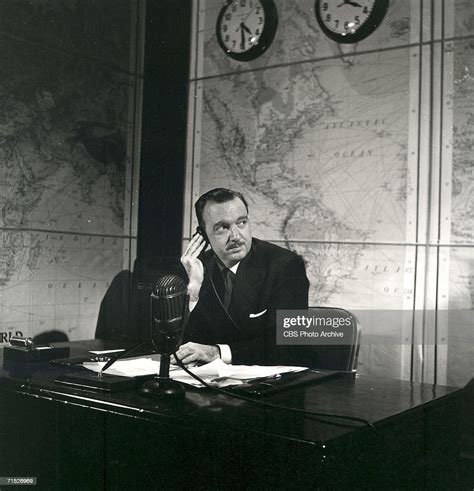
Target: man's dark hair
217,195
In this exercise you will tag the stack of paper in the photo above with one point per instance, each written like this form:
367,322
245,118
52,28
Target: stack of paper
128,367
220,374
215,373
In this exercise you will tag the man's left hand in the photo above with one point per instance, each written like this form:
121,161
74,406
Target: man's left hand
195,352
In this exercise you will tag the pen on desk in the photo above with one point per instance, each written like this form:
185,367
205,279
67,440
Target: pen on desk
121,355
111,361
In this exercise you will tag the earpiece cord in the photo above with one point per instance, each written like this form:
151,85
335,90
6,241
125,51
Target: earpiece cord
219,298
305,412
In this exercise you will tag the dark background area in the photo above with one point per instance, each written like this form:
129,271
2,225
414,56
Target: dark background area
163,145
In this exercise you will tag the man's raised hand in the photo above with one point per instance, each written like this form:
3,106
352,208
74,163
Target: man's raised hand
193,265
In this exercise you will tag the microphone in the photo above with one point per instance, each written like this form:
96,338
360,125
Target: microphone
169,315
168,312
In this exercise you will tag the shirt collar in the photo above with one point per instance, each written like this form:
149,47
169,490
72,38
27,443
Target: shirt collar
222,266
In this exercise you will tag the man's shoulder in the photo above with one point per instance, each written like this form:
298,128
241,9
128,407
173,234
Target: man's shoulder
277,261
273,251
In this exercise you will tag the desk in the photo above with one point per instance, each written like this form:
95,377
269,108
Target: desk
71,439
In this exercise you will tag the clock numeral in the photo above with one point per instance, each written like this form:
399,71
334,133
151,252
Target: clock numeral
328,17
357,19
227,37
346,25
234,42
224,27
336,22
234,7
228,16
260,20
325,6
366,10
242,3
257,32
257,11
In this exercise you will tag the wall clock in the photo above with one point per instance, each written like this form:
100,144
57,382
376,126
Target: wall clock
246,28
350,21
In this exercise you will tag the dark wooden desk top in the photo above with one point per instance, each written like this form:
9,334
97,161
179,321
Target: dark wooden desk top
374,399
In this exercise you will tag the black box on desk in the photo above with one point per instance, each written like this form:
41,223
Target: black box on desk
37,353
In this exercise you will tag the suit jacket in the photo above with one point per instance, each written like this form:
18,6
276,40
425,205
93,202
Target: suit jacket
268,278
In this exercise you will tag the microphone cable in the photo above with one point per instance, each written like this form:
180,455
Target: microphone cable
304,412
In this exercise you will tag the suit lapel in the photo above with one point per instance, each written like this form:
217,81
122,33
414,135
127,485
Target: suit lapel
248,282
247,287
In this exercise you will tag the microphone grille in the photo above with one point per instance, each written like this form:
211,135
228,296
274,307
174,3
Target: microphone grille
169,284
169,298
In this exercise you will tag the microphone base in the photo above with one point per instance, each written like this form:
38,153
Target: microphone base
162,387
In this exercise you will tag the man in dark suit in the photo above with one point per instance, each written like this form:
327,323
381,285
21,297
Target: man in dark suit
234,295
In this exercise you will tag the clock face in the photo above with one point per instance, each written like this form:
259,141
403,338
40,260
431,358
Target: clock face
246,28
350,21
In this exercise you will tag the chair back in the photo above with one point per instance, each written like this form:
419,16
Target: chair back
338,356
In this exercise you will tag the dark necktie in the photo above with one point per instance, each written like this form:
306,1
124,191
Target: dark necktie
229,278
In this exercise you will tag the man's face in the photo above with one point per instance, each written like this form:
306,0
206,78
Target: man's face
228,230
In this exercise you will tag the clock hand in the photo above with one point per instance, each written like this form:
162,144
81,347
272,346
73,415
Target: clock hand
242,36
244,27
349,2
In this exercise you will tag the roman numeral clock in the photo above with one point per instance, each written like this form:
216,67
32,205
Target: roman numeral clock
349,21
246,28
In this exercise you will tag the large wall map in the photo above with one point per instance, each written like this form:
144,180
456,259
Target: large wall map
330,143
320,149
319,160
64,161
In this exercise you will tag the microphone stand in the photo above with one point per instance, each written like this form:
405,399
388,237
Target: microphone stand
163,385
159,386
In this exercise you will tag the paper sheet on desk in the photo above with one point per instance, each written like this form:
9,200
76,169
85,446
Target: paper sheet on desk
129,367
217,369
230,374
